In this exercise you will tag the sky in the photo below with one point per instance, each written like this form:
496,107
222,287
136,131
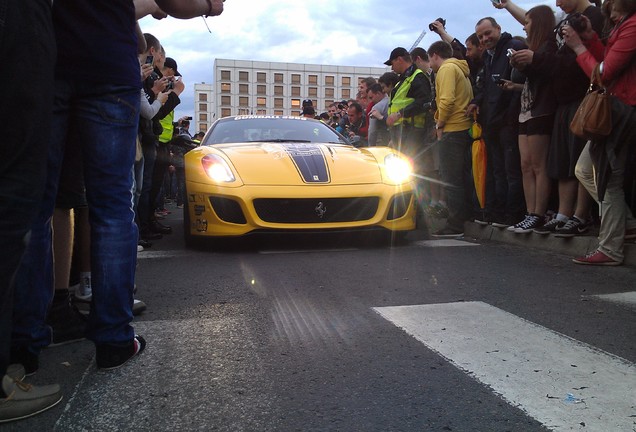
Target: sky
347,33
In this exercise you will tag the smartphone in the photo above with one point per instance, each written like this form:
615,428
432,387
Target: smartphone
150,59
497,2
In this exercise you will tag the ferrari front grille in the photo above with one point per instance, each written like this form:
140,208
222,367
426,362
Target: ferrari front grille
316,210
399,206
228,210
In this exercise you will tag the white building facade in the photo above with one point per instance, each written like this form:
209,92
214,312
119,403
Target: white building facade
255,87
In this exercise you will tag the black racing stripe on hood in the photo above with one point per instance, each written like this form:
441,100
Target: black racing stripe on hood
309,161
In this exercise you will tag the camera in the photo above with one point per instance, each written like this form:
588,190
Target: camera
510,52
430,106
170,85
577,22
150,59
431,27
188,118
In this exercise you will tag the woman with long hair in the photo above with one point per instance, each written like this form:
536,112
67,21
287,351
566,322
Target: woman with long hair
617,65
538,105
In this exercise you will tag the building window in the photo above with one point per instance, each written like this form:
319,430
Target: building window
295,78
346,81
203,127
329,92
295,91
244,111
226,100
278,90
261,77
244,88
313,91
203,117
330,80
261,102
244,76
327,103
203,97
244,101
295,103
226,75
226,87
278,78
226,112
278,103
261,111
295,113
278,112
346,93
261,90
313,79
203,107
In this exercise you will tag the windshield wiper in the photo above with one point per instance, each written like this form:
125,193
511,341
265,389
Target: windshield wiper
280,140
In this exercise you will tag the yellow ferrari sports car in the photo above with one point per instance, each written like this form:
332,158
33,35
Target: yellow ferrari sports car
281,173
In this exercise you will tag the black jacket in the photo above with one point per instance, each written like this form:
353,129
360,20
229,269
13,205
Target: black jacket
495,104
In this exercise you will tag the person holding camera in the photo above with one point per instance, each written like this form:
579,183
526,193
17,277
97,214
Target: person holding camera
498,111
378,132
570,84
471,52
602,163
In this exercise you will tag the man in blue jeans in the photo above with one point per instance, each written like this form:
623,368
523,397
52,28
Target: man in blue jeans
28,47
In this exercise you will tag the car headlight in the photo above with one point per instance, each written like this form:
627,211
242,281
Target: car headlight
398,170
217,169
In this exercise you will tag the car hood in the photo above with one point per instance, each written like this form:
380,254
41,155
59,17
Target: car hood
301,163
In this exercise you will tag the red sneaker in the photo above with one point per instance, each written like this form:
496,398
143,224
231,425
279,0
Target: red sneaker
596,258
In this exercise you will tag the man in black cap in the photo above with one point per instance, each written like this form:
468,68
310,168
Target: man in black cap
407,114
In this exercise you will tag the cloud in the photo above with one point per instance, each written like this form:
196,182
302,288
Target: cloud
353,33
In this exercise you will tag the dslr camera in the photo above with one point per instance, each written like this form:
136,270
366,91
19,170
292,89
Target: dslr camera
432,28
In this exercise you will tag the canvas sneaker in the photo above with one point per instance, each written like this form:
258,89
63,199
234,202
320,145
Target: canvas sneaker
112,356
596,258
531,222
549,227
25,400
573,227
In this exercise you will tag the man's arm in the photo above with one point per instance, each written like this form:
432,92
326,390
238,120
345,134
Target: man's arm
420,91
517,12
183,9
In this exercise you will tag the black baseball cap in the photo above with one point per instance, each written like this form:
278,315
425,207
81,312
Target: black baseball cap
397,52
172,64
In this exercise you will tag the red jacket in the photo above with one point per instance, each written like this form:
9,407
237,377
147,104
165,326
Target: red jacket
619,60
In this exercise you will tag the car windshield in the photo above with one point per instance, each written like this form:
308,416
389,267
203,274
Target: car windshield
242,129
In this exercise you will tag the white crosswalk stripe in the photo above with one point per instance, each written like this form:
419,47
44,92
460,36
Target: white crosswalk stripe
561,382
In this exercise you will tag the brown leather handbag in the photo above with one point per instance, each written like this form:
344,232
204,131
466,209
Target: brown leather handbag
593,118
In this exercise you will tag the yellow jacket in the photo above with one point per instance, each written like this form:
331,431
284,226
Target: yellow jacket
453,93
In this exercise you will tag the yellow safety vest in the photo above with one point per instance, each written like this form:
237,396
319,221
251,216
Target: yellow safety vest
400,100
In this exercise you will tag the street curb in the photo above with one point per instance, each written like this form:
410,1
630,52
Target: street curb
574,246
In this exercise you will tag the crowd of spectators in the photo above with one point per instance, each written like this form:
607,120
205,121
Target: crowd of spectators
524,91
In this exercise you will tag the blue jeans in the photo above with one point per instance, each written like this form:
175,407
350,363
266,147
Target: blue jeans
454,160
104,118
27,41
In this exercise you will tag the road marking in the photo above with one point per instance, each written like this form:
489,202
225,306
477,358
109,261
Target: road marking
146,254
294,251
561,382
627,298
445,243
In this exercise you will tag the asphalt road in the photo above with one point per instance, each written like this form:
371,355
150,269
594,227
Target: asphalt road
308,334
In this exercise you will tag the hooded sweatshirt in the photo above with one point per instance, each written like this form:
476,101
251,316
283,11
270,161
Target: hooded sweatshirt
453,93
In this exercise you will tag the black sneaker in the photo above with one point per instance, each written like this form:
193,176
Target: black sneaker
504,222
67,323
111,356
531,222
518,224
448,233
573,227
549,227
